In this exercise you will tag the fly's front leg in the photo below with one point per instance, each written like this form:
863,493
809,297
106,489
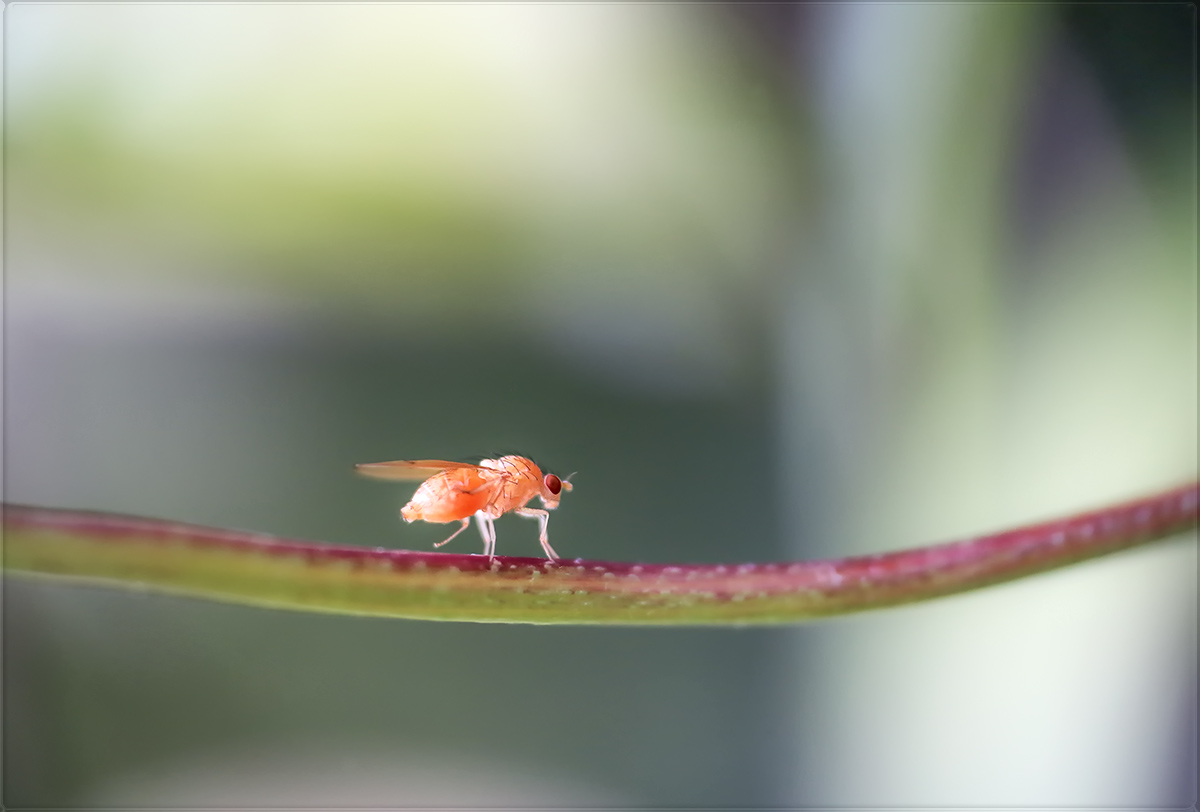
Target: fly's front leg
465,522
543,517
487,529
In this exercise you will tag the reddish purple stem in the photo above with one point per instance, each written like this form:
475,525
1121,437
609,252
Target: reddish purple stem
837,585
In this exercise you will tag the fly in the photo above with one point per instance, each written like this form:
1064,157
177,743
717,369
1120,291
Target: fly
456,491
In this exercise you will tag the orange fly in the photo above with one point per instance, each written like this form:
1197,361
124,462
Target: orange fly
456,491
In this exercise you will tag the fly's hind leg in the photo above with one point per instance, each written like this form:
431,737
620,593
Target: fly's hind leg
487,529
543,517
465,522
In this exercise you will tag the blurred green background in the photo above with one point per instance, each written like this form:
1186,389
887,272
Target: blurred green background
778,281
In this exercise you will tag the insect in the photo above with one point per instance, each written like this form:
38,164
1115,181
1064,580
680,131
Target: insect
456,491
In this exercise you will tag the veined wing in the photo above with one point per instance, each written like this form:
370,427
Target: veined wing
410,469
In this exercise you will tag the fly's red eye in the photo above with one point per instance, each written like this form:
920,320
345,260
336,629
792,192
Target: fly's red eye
553,484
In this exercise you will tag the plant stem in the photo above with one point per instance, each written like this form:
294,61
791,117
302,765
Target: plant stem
252,568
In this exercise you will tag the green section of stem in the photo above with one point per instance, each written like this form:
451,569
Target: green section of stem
263,571
559,595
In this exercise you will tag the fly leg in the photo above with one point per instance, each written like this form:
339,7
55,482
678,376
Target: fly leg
465,522
543,517
488,530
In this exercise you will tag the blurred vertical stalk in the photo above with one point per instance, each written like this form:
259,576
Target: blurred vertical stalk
889,345
894,303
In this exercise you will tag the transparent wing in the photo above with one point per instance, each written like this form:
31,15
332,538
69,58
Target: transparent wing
409,469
